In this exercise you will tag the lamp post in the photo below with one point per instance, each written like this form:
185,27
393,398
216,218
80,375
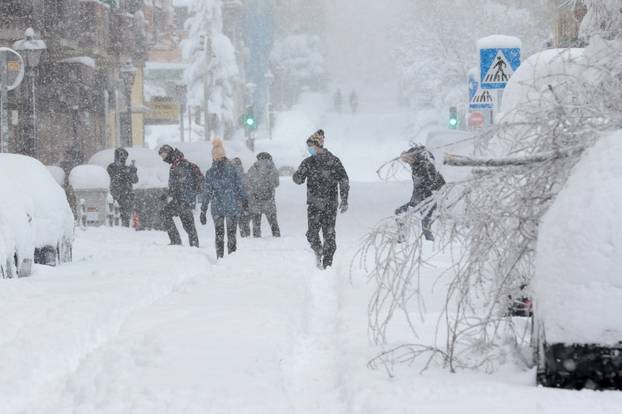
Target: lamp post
269,80
31,50
127,74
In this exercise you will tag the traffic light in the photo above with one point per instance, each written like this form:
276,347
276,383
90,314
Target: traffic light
249,119
453,117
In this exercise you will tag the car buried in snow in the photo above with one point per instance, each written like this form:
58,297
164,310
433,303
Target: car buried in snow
37,223
577,285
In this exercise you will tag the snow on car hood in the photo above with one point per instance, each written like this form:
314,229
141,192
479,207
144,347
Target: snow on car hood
16,227
52,216
578,288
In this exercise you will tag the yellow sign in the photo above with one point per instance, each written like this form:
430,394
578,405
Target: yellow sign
162,110
13,66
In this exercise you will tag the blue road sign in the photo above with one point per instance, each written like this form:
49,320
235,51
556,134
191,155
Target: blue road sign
497,66
479,98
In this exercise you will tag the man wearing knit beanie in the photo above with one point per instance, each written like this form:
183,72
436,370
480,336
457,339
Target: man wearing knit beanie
327,181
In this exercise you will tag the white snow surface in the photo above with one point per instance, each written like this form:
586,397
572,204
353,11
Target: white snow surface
577,284
499,42
52,218
89,177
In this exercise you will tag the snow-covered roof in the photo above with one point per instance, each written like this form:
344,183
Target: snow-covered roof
578,288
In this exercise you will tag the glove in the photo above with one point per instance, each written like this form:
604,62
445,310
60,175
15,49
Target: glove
343,207
203,217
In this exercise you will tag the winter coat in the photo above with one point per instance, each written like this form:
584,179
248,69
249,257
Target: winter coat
181,185
263,178
122,177
244,207
325,177
426,179
224,189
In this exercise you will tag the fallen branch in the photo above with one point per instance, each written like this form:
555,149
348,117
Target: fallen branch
465,161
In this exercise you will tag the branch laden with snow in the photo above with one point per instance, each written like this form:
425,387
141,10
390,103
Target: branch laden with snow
489,222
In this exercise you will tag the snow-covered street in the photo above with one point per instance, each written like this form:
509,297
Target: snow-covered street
136,326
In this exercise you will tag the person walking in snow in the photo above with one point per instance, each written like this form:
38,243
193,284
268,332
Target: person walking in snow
122,178
338,99
264,179
354,102
245,213
426,180
326,180
225,191
181,196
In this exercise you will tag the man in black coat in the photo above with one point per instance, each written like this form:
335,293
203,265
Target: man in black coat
426,180
122,178
326,181
181,196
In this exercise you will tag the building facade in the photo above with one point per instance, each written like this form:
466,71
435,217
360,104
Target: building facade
86,92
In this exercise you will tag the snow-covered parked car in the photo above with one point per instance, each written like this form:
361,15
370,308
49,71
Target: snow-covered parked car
47,210
577,287
17,245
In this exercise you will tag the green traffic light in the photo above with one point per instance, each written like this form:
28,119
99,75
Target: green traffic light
250,122
453,122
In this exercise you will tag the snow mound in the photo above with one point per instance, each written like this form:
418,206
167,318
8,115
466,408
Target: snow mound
89,177
577,285
529,86
57,173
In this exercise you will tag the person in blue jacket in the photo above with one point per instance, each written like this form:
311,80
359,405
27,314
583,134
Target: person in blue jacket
225,191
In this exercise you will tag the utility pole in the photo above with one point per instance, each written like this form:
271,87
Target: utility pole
4,121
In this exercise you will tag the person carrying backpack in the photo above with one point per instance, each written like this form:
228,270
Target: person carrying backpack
426,180
181,197
225,191
264,179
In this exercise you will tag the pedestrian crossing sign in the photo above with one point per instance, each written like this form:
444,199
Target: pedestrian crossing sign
479,98
497,67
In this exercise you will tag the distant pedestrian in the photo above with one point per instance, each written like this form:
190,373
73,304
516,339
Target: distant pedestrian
181,197
338,100
245,213
263,177
122,179
426,180
225,191
326,181
354,102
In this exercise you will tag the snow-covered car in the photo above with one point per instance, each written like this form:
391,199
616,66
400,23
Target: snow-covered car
577,286
16,231
47,210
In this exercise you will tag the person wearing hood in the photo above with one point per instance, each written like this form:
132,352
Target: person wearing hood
225,191
426,180
326,180
263,177
181,196
122,178
245,214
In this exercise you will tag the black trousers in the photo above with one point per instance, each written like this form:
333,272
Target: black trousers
323,219
219,227
244,222
272,220
126,205
187,221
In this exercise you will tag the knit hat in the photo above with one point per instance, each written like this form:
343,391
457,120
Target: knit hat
317,139
218,149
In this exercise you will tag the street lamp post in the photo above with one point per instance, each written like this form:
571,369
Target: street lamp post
31,50
127,74
269,79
